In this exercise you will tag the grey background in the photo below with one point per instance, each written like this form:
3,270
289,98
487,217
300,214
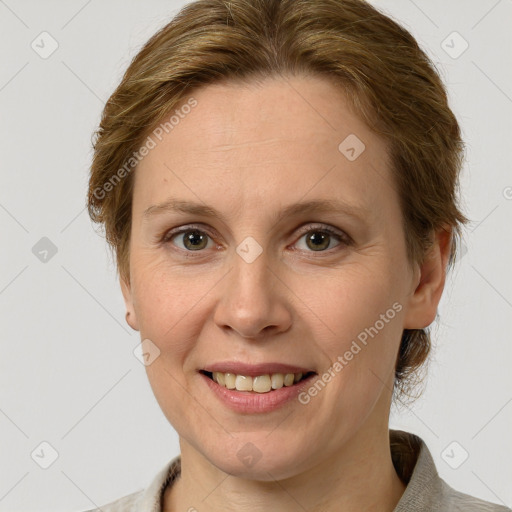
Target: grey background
68,375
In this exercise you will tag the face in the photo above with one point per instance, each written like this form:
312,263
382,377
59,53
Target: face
261,285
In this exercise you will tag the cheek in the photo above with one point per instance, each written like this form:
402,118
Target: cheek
168,308
166,294
361,317
168,305
361,302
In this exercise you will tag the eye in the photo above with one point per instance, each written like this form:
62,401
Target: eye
319,238
316,238
193,239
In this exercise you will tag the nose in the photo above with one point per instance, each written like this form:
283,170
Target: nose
255,301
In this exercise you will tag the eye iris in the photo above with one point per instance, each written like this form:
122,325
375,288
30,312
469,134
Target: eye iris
195,238
318,239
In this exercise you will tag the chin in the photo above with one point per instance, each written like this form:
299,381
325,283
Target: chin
246,460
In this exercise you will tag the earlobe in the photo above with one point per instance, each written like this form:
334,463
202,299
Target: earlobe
131,317
424,300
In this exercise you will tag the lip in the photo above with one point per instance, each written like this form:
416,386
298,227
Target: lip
249,402
253,370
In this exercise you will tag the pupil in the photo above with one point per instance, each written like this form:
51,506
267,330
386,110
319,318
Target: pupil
318,239
195,238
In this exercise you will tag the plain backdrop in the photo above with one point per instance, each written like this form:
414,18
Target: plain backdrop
68,375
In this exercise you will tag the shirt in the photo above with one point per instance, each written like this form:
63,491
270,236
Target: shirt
425,491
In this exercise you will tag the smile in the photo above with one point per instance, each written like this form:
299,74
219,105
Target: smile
259,383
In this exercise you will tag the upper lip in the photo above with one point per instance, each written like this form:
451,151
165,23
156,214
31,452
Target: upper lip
253,370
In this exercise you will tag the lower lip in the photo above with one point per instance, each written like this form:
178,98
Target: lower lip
249,402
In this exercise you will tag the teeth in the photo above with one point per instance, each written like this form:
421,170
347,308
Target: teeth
219,378
229,379
288,379
277,380
259,384
243,383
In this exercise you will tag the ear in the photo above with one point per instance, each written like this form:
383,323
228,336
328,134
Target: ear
429,283
131,319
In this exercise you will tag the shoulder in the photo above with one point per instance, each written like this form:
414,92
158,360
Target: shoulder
148,499
426,491
459,501
124,504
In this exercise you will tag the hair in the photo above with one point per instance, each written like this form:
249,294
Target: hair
389,81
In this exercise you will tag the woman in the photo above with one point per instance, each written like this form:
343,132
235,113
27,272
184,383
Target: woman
278,181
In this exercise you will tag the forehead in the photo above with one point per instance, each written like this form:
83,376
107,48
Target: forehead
295,108
260,138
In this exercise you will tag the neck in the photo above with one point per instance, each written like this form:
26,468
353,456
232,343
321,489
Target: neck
360,476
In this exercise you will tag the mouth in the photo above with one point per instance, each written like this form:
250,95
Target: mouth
264,383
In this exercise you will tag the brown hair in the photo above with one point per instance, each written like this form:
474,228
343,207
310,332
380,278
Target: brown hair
390,83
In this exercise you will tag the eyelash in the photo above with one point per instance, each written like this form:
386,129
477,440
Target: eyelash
341,237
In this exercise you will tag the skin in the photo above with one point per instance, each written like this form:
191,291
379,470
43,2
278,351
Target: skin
249,151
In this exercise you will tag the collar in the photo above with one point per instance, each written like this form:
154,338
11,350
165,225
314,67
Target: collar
413,462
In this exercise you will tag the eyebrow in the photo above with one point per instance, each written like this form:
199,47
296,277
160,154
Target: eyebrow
304,208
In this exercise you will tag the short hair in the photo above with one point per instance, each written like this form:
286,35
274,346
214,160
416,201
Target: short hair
389,81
